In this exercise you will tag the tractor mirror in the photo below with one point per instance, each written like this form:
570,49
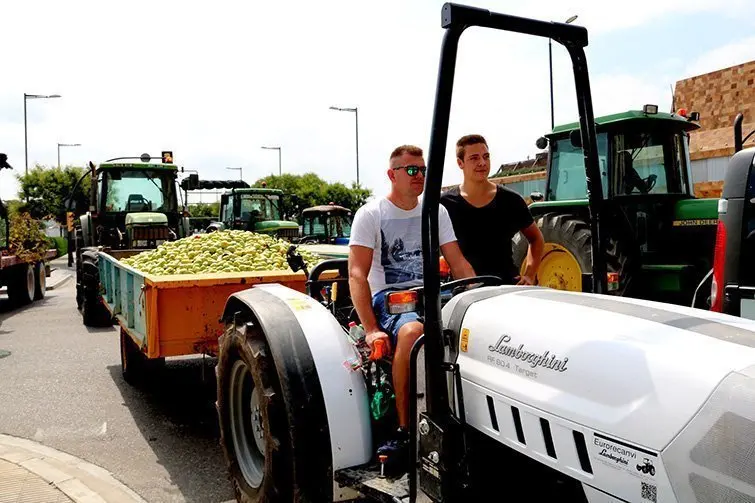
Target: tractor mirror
576,138
542,143
536,196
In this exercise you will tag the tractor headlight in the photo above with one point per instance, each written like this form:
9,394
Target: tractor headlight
713,458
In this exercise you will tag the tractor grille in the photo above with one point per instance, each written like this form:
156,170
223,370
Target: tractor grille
150,233
288,233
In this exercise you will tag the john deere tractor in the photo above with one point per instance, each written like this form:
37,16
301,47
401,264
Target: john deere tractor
256,210
658,237
133,207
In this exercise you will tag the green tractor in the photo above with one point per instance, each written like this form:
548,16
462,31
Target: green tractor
256,210
658,238
133,207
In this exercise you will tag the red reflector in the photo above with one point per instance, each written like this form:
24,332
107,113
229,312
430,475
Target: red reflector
719,259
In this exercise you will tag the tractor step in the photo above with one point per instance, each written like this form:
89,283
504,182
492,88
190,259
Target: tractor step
367,480
665,268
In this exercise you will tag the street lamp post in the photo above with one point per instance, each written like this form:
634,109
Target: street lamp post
280,169
65,145
550,64
356,119
26,141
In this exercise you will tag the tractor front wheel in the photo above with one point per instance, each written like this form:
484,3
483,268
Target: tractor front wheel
568,254
252,416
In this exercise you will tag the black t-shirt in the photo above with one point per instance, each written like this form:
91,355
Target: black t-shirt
485,233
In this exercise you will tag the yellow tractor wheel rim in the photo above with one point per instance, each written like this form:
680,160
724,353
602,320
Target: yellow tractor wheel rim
559,269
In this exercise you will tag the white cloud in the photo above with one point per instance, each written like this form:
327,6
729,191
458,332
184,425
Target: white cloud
723,57
214,84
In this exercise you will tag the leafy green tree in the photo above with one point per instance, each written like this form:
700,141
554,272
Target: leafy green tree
204,210
304,191
47,189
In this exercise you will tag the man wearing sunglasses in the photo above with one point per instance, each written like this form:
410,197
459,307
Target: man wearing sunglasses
487,216
386,254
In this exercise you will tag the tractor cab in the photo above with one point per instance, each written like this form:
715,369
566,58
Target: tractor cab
733,284
660,236
133,205
255,210
326,224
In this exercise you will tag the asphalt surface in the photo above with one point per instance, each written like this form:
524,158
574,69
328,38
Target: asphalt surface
61,386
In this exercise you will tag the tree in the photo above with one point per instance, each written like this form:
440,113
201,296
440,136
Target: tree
304,191
47,189
204,210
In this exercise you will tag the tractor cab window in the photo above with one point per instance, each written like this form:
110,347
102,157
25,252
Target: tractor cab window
568,179
133,191
648,163
267,207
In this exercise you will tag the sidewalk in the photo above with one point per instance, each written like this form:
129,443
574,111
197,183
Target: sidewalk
34,473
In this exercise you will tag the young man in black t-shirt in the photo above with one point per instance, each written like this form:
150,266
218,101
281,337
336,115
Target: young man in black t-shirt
487,216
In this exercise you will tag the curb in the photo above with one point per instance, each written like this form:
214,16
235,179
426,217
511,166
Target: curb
81,481
58,283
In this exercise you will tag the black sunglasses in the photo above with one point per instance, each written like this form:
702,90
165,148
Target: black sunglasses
412,170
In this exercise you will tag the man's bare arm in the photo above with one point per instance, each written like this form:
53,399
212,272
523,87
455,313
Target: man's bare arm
360,260
535,252
460,267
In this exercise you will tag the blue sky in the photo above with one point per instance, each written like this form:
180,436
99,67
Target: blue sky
214,84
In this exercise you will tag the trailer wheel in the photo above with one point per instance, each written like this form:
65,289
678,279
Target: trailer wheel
22,286
40,280
252,417
568,254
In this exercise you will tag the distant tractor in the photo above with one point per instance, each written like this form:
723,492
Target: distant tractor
255,210
133,207
733,284
326,224
658,237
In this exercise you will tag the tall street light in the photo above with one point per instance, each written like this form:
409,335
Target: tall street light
65,145
280,169
550,63
356,118
26,141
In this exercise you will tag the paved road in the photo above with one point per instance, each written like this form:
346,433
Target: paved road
62,386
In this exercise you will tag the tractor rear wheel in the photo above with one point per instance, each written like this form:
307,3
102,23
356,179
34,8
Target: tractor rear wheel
568,254
94,313
252,416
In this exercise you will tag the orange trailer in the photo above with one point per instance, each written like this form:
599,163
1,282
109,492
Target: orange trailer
177,315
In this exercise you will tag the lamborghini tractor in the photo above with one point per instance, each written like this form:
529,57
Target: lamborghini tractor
133,206
659,237
529,393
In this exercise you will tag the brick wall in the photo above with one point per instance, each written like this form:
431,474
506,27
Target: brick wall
719,96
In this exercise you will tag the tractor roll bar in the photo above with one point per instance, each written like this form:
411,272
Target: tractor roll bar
455,19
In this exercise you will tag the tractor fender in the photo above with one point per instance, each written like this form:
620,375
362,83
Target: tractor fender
326,402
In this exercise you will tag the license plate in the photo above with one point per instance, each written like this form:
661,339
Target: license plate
747,308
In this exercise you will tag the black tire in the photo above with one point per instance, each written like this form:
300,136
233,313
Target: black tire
93,311
573,233
244,364
40,281
136,368
22,286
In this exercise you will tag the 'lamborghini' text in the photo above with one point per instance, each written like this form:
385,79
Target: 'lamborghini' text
534,360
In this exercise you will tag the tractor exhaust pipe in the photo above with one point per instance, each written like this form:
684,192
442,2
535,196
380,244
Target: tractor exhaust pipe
738,132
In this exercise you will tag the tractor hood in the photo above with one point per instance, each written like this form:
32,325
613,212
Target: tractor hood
146,218
633,369
271,225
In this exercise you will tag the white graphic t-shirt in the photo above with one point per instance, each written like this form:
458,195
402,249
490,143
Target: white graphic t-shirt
395,236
